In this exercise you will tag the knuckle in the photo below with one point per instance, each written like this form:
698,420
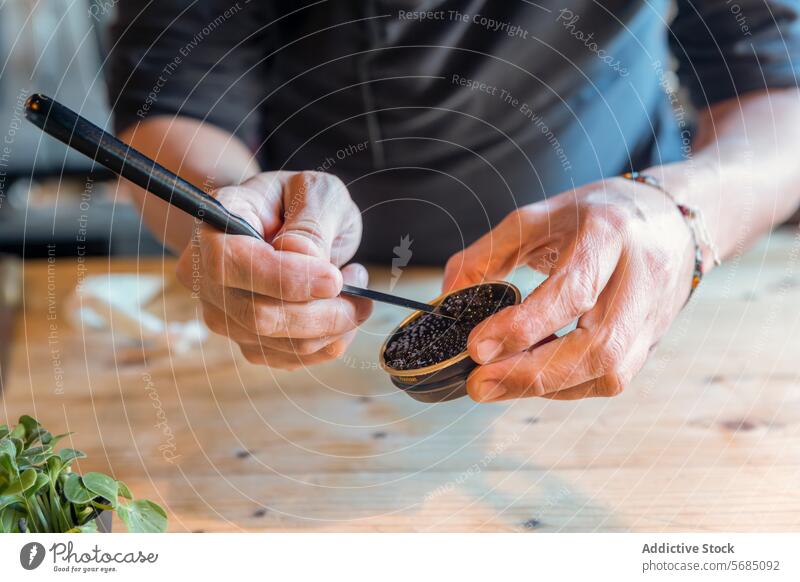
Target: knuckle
267,320
333,322
281,364
295,323
213,255
253,356
306,347
288,366
657,262
606,355
226,194
330,182
613,384
536,385
215,324
311,228
580,294
522,325
242,310
290,287
610,219
336,350
522,215
455,262
322,184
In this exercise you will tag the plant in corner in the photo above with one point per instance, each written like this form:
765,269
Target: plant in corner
40,493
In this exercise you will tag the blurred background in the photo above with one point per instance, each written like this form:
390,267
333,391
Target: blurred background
54,201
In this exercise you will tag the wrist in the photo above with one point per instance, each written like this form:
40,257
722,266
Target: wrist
688,216
691,186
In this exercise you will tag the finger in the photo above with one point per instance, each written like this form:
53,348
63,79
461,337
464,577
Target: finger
613,347
264,193
318,215
608,385
354,274
557,365
284,361
572,289
252,265
269,317
591,389
496,253
218,322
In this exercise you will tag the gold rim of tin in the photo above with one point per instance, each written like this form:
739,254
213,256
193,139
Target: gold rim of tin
455,359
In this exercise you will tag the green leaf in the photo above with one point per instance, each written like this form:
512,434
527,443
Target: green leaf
19,445
124,491
6,520
30,424
8,459
39,434
6,500
75,492
54,465
26,480
42,481
88,527
35,456
59,508
102,485
9,520
3,430
37,450
102,506
9,467
69,455
7,447
54,439
143,516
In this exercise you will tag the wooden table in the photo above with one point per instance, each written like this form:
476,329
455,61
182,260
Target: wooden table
707,439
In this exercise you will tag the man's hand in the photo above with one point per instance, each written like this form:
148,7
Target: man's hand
280,300
619,257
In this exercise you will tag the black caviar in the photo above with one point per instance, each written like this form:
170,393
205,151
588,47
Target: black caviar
430,339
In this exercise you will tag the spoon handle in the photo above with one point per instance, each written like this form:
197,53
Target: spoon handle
393,300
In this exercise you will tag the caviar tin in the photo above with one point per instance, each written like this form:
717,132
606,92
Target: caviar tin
446,380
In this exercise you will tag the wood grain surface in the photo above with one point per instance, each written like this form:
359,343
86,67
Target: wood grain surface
707,438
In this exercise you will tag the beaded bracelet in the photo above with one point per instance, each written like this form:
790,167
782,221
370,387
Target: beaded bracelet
693,218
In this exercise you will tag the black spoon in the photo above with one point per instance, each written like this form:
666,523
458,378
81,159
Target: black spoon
82,135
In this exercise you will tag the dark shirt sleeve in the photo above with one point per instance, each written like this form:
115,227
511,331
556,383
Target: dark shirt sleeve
200,59
726,48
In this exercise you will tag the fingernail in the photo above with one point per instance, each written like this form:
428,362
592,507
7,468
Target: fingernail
488,350
324,288
362,276
490,390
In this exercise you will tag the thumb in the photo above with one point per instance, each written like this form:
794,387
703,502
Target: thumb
317,208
